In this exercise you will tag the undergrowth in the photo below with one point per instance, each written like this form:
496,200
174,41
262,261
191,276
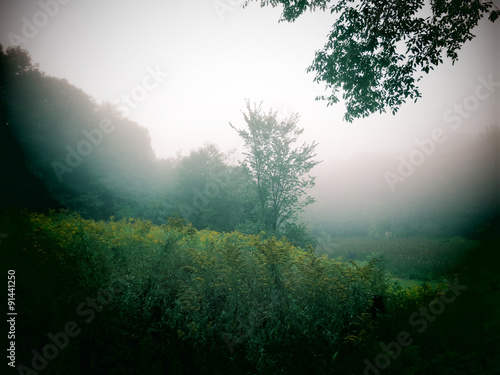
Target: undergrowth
172,299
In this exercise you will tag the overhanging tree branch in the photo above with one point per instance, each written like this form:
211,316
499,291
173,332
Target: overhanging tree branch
378,50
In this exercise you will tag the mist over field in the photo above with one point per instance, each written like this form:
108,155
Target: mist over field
450,189
230,187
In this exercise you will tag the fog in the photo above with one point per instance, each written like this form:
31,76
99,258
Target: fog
437,189
173,199
207,61
183,71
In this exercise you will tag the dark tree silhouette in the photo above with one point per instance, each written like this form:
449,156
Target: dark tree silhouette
377,50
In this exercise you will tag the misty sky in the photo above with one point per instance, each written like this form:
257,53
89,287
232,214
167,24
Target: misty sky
206,61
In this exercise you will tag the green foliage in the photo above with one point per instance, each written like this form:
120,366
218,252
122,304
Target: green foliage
377,51
298,235
180,224
209,192
415,258
44,121
278,172
48,118
249,300
208,302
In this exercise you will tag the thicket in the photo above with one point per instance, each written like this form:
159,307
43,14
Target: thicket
178,300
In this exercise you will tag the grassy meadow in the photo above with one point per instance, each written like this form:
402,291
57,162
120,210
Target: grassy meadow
130,297
408,260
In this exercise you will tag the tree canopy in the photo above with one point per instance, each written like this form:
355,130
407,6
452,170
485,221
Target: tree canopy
278,170
378,50
58,137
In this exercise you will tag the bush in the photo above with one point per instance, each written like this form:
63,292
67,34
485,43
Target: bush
202,301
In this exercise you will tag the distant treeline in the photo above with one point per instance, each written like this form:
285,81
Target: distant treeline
61,149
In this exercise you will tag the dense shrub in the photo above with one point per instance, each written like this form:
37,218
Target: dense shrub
186,301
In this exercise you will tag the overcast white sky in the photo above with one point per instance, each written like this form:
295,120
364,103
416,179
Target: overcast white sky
213,61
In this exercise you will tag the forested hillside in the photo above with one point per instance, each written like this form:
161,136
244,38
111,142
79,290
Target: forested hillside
53,134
